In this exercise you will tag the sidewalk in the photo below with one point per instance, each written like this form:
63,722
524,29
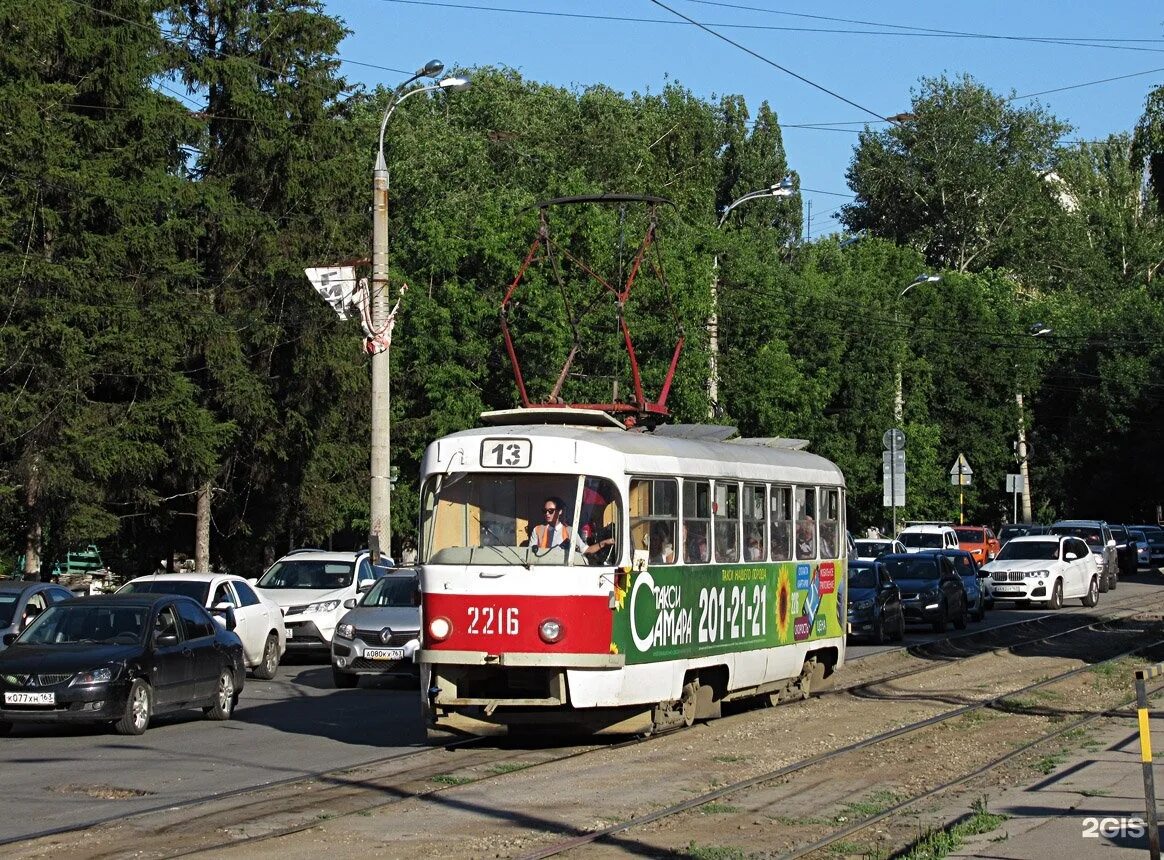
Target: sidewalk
1091,806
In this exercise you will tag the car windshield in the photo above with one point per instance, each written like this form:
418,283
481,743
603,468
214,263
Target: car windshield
862,577
1090,534
1139,537
970,535
917,540
963,565
1029,550
872,547
911,568
72,624
524,519
314,574
8,607
392,590
186,587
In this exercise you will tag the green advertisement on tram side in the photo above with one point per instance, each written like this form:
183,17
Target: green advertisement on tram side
679,612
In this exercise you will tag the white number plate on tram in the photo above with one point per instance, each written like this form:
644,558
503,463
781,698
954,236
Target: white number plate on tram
384,653
506,453
30,698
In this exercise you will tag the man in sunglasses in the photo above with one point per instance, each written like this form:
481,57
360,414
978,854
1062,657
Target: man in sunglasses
552,532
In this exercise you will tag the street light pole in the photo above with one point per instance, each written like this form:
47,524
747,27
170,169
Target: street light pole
380,523
1037,330
783,188
898,398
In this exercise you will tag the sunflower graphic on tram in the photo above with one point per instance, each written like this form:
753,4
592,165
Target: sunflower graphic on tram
591,567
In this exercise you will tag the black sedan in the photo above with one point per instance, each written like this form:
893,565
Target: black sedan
874,603
931,590
120,659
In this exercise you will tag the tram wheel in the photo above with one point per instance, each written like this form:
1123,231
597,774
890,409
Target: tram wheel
689,702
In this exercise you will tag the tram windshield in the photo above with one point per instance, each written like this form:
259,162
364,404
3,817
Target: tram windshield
525,520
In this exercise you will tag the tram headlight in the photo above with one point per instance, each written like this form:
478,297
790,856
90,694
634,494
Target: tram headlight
551,631
439,629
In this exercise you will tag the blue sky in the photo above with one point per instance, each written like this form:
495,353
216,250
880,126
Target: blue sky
868,55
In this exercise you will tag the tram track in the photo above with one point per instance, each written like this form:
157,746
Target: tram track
287,807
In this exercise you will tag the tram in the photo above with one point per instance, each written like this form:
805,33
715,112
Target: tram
685,572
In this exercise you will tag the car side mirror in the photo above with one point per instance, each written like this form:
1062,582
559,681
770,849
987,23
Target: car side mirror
165,641
350,603
1111,542
1071,556
9,638
365,587
226,610
254,580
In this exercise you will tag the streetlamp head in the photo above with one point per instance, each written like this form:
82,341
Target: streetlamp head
455,85
430,69
1039,329
927,279
854,239
783,188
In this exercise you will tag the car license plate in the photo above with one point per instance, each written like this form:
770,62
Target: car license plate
384,653
1007,589
30,698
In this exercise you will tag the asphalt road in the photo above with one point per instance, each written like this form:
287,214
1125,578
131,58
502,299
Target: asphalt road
294,725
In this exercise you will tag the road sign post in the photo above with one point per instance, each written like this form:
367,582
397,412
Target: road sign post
1014,486
960,474
893,472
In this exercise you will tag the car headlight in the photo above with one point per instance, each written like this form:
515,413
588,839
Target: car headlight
93,676
323,606
861,605
346,631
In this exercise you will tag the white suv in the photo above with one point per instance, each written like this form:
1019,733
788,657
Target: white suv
310,586
928,536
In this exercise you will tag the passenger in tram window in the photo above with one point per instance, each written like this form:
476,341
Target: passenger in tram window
805,538
780,540
662,549
552,532
755,547
696,545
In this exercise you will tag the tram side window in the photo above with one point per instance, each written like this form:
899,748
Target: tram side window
780,508
696,519
805,522
654,517
830,523
726,514
755,529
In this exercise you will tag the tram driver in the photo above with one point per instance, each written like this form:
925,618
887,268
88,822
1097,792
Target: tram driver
552,532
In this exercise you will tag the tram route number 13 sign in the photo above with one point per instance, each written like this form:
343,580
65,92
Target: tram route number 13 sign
506,453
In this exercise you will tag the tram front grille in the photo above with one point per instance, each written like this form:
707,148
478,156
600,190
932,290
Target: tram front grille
496,683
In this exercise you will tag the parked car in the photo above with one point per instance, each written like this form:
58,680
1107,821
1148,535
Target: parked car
919,537
869,549
979,541
874,603
931,590
1143,547
972,580
258,619
1051,568
1125,550
311,586
120,659
1155,536
22,601
381,632
1020,530
1099,540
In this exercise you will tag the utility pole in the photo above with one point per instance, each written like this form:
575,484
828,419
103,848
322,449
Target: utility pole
1022,458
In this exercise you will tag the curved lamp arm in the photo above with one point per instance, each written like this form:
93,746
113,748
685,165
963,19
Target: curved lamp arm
783,188
451,84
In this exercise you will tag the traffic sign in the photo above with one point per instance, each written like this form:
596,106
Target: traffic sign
893,440
1014,483
960,472
893,479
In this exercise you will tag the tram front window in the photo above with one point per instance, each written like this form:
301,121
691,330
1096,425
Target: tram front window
528,519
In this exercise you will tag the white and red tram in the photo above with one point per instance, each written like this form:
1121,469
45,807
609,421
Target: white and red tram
690,572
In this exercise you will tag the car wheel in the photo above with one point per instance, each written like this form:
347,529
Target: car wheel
1115,580
1056,601
225,698
1103,583
139,707
940,622
960,621
1092,596
899,633
344,680
270,662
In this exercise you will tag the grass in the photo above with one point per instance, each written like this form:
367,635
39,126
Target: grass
1105,670
508,767
874,804
449,779
1095,792
714,808
714,852
937,844
1047,764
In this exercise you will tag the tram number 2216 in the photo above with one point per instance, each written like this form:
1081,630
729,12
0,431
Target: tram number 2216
730,614
493,620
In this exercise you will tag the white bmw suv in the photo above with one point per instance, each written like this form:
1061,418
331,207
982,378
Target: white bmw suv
310,586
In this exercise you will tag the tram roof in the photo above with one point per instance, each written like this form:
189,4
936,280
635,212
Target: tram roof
654,453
